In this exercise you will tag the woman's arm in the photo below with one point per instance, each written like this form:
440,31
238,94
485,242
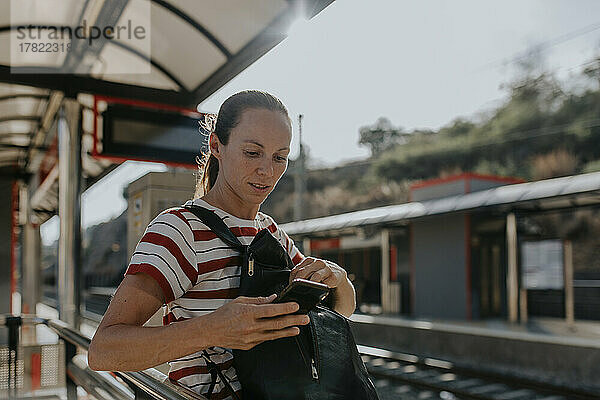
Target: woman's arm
121,343
334,276
344,297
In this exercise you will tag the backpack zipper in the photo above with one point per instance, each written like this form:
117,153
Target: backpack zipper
301,351
311,365
264,266
250,265
313,362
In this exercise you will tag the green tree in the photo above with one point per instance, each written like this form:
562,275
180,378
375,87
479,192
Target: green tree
381,136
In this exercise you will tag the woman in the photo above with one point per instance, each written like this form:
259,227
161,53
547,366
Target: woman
181,263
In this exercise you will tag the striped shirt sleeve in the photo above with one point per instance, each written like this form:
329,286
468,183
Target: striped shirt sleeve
165,253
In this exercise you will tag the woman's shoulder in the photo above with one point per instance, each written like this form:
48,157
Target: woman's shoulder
177,216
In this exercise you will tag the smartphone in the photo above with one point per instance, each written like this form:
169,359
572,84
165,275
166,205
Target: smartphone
304,292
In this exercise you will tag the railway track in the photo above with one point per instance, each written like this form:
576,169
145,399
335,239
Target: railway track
407,377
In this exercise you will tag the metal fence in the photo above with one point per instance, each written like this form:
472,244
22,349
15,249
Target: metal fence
31,370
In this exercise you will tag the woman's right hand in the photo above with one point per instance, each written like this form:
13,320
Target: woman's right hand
247,321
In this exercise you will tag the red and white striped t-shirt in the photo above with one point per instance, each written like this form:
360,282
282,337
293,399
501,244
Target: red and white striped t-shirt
198,273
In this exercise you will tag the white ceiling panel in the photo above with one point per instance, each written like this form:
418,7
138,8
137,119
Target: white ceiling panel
182,49
19,107
8,154
113,57
233,22
5,48
138,12
40,12
32,53
8,89
19,140
16,126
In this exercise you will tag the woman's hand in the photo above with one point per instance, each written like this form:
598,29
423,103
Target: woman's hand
247,321
334,276
319,270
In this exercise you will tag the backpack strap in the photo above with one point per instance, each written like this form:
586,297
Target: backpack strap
216,224
214,371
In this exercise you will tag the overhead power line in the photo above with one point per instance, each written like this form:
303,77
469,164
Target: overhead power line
541,46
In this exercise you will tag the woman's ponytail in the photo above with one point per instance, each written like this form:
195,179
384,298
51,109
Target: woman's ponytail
208,164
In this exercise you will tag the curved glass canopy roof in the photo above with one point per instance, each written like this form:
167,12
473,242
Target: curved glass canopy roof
192,48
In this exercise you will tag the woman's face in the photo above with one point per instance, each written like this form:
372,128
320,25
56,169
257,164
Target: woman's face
256,155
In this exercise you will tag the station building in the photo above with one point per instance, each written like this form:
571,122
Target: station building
471,247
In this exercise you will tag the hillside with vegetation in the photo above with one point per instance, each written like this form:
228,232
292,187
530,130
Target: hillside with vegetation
545,128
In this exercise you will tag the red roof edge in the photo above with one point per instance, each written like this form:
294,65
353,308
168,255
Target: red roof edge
466,175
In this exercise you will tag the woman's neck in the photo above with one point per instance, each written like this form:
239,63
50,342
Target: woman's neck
228,201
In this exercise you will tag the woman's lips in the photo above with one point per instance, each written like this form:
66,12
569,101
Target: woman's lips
259,188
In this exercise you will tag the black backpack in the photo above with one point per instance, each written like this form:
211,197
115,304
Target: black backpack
322,362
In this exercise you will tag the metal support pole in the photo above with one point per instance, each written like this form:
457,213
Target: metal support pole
523,305
569,291
512,281
140,394
69,211
31,293
306,246
299,177
13,323
31,277
70,352
385,271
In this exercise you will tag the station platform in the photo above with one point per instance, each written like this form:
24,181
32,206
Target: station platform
583,333
546,350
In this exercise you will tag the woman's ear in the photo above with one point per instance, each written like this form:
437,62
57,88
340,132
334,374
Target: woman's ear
215,145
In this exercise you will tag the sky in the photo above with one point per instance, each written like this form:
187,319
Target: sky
421,64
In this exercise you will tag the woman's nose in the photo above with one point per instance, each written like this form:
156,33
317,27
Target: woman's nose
266,168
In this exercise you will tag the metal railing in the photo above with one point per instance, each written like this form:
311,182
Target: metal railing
94,299
147,384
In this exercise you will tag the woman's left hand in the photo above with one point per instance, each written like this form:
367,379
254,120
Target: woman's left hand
334,276
319,270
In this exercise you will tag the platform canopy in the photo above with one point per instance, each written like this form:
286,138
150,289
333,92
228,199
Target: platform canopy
568,192
195,47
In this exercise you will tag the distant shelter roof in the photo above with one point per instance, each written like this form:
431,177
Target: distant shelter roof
550,194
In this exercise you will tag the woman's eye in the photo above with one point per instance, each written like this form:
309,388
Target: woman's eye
281,159
252,153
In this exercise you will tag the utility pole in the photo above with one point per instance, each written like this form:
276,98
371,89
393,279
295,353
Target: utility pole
299,176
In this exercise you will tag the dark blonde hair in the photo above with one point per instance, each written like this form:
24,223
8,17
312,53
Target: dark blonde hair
227,119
